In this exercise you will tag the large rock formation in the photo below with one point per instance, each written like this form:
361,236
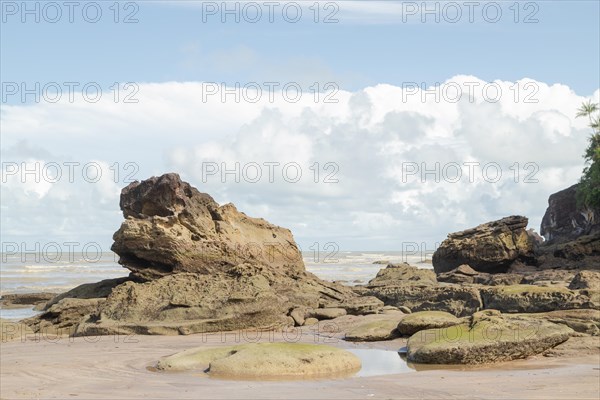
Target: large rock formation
564,220
572,233
197,267
492,247
171,227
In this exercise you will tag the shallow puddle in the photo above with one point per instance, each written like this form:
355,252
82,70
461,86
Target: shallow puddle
380,362
17,313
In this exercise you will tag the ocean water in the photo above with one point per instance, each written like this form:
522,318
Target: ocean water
53,273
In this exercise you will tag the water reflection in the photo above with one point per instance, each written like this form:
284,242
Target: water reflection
380,362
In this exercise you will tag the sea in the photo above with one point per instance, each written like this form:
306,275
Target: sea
27,273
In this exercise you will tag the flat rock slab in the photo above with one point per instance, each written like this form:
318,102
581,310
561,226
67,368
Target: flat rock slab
487,340
373,331
532,299
422,320
265,360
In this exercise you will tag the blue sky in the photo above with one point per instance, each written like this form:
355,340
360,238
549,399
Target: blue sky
369,133
369,45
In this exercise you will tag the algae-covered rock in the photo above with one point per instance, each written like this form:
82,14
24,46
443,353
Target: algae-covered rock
384,329
583,321
488,338
532,299
265,360
421,320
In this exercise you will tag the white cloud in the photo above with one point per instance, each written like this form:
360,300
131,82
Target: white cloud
367,137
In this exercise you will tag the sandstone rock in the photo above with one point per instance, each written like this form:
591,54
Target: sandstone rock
405,309
88,291
492,247
298,315
358,305
455,299
553,277
266,360
490,338
63,317
461,274
384,329
171,227
532,299
421,320
310,321
327,313
564,220
394,273
18,300
586,280
191,272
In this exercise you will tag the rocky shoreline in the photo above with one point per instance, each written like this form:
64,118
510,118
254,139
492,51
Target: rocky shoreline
497,292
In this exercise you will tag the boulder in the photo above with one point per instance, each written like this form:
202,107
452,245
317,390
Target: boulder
421,320
298,314
171,227
565,220
266,360
488,338
533,299
491,247
383,329
586,280
461,274
327,313
395,273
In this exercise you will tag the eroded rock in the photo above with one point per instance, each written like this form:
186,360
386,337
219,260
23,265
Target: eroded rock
171,227
491,247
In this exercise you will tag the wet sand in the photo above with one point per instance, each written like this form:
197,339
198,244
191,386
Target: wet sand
121,367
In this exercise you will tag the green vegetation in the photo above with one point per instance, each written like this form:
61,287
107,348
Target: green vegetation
588,191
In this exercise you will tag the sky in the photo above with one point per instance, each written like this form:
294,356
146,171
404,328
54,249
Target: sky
371,125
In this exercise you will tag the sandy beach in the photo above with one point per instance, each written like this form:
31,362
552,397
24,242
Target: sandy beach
114,367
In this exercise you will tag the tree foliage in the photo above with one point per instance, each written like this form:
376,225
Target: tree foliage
588,191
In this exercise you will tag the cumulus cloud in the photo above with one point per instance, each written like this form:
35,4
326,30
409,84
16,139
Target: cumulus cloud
350,171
